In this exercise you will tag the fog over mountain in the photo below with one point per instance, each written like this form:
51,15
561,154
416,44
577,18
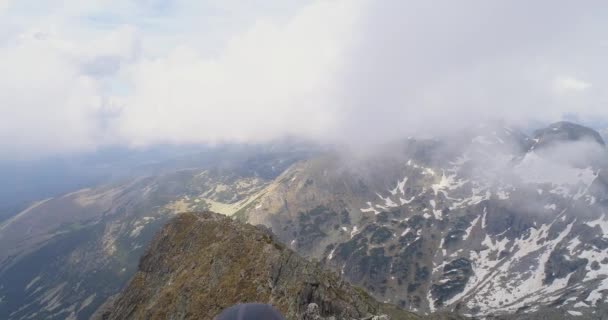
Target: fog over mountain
418,159
136,73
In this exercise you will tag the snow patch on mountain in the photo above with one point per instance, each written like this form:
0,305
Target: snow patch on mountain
525,287
400,187
602,222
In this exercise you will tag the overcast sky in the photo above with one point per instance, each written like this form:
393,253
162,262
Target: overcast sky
76,75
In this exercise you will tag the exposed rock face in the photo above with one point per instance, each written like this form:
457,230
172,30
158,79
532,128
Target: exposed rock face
486,224
565,131
201,263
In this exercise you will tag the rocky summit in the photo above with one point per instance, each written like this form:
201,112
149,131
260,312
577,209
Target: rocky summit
201,263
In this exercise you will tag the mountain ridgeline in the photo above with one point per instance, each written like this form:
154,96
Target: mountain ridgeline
490,222
201,263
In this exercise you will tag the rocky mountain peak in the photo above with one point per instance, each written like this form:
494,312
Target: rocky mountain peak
201,263
565,131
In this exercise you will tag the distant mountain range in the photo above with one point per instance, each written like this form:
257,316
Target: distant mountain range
488,222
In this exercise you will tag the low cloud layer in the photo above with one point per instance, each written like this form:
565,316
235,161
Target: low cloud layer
78,76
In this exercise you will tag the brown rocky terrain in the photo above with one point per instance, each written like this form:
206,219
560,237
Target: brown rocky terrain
201,263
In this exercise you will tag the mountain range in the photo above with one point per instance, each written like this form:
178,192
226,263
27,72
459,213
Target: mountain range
489,222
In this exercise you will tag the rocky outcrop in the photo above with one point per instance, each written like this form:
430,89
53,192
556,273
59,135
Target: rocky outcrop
201,263
565,131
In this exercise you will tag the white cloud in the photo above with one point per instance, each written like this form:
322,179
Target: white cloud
270,81
428,67
49,102
141,72
565,84
46,104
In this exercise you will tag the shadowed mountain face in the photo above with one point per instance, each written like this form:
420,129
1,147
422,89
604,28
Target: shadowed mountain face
566,131
488,222
200,264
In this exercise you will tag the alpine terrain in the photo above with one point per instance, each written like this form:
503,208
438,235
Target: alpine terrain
491,222
199,264
64,256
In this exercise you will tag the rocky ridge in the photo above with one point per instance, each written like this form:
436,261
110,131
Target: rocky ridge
62,257
201,263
